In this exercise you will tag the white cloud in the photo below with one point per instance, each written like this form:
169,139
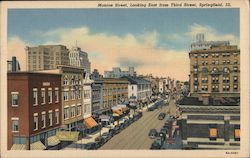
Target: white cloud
210,34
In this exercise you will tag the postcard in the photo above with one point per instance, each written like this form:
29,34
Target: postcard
125,78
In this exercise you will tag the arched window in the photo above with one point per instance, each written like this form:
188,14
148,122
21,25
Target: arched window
65,80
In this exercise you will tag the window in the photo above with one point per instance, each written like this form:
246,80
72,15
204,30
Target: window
56,95
35,121
65,95
57,116
204,80
43,119
15,124
204,71
235,69
132,88
50,95
237,132
204,88
43,95
216,62
226,70
35,96
226,87
65,81
228,61
66,113
73,94
86,94
50,118
212,133
195,70
195,88
235,61
73,111
235,87
215,70
213,62
78,110
226,79
14,98
215,88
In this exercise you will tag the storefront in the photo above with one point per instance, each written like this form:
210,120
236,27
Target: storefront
91,125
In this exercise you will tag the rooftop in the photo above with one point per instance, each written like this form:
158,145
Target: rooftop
136,80
224,101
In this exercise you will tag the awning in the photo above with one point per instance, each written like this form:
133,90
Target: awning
125,109
67,135
53,140
37,146
90,122
115,115
117,112
18,147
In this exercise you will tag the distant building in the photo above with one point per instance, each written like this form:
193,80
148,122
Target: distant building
117,72
13,65
210,124
87,96
215,71
34,110
78,58
139,89
162,85
46,57
115,91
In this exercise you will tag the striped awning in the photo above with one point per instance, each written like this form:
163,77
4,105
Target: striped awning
53,140
90,122
37,146
18,147
67,135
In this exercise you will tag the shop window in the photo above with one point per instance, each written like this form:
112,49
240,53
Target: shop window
237,133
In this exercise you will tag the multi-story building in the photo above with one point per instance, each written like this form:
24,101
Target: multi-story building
97,97
210,125
139,89
45,57
87,96
13,65
115,91
34,110
78,58
162,85
215,71
117,72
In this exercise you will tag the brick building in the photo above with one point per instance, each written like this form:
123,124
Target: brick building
34,110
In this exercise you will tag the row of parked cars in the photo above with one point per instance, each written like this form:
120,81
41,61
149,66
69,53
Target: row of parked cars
163,134
105,137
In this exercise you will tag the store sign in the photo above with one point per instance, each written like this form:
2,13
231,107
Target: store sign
46,83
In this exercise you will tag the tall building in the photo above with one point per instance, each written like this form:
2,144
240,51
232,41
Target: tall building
34,110
215,71
45,57
78,58
13,65
117,72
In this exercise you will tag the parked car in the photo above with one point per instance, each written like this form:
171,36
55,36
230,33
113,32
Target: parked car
153,133
152,108
117,129
121,126
157,144
99,140
91,146
106,136
164,130
112,132
161,116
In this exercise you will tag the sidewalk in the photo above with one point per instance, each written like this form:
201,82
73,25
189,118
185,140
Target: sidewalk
91,137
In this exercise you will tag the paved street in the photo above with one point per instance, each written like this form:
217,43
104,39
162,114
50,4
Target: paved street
136,135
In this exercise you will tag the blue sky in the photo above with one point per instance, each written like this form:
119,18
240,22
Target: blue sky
171,29
24,22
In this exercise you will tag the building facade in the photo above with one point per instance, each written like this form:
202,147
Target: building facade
115,91
78,58
46,57
87,96
212,126
117,72
139,89
97,97
215,71
34,110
